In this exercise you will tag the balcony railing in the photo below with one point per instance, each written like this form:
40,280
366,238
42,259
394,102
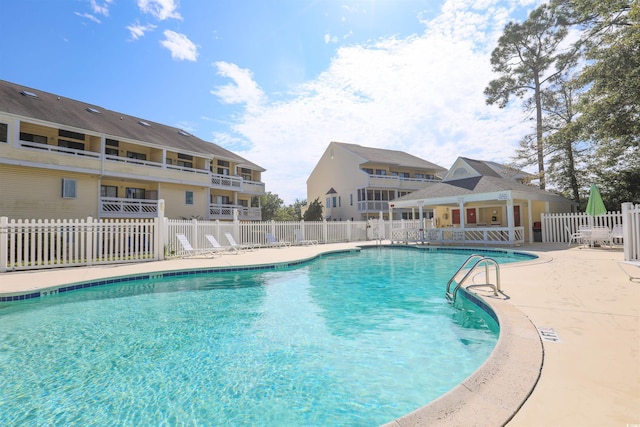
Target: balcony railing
113,207
391,181
373,206
61,150
473,235
225,212
226,182
253,187
223,182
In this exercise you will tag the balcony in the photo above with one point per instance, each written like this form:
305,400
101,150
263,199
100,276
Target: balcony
59,150
226,182
225,212
389,181
122,166
253,187
112,207
373,206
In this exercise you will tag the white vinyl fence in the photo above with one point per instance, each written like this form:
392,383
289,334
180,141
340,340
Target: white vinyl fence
37,244
558,227
254,232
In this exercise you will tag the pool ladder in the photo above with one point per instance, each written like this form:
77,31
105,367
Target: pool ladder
476,260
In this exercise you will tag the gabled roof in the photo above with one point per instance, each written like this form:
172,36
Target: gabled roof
488,182
477,185
486,168
390,157
15,99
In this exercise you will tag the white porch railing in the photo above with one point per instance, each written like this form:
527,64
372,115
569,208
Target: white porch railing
225,212
475,235
392,181
226,182
373,206
113,207
253,187
62,150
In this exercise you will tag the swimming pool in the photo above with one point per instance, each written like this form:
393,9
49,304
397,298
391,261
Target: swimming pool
340,340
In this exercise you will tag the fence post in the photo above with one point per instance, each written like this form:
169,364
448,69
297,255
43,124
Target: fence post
4,243
626,230
236,224
160,232
89,241
194,233
325,231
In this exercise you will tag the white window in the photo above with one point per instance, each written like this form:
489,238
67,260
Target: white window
68,188
188,197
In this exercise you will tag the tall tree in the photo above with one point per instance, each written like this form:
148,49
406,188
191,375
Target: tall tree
270,203
314,211
565,149
527,57
610,107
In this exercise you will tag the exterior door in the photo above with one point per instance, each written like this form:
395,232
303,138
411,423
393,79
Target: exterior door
516,215
471,216
455,216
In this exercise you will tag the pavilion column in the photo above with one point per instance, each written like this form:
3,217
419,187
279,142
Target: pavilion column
510,220
421,228
530,216
462,212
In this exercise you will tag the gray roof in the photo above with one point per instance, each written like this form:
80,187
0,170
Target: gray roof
69,112
488,168
477,185
393,157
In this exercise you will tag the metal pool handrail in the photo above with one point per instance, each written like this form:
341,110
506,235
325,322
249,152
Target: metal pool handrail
451,296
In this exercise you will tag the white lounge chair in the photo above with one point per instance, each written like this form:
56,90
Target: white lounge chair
273,242
190,251
237,246
616,233
578,236
300,240
217,246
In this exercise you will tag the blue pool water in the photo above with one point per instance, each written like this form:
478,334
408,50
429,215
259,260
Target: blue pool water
347,339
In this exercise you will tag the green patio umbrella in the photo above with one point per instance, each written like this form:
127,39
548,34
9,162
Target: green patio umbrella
595,206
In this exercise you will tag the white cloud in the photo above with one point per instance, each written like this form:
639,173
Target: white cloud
161,9
88,16
180,46
328,38
136,30
244,90
101,8
97,8
423,95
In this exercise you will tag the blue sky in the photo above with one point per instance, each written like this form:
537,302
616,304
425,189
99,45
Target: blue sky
277,80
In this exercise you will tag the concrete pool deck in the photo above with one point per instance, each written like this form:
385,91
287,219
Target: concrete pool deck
585,297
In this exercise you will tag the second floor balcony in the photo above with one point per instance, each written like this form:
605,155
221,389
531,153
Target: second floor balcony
225,212
394,181
120,165
373,206
116,207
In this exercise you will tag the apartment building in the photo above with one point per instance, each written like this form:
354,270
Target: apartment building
64,158
357,183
